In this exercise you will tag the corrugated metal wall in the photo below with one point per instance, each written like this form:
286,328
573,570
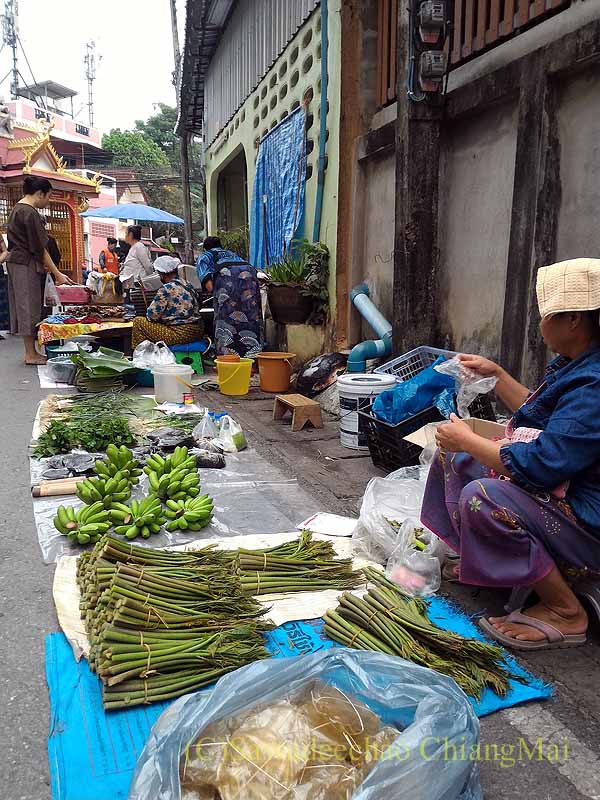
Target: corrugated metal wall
256,35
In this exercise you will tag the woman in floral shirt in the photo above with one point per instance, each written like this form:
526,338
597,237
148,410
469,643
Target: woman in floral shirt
173,316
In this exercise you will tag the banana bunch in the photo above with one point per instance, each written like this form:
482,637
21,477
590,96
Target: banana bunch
193,514
106,491
119,459
174,477
86,525
143,517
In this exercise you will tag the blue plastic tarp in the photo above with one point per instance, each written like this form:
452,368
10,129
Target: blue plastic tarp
278,194
92,754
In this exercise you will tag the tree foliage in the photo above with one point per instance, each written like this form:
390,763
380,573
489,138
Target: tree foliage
134,150
153,145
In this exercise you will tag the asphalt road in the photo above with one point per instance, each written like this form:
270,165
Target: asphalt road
512,767
26,609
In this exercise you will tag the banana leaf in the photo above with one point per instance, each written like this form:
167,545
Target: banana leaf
104,363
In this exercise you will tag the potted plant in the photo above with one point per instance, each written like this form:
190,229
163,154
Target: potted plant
297,287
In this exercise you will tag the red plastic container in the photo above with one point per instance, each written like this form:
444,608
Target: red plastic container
73,294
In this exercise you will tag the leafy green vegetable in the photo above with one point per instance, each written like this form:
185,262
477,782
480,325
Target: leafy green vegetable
93,435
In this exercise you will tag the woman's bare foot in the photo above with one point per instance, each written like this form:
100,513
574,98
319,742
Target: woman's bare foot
37,360
568,622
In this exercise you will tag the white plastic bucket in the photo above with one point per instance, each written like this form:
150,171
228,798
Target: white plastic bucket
171,382
357,393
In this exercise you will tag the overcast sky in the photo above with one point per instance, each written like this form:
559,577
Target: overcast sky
133,38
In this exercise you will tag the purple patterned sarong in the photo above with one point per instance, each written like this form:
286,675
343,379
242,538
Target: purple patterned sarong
504,535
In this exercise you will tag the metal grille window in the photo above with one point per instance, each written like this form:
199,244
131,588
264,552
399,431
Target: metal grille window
387,32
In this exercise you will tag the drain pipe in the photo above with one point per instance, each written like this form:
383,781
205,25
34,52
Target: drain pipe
374,348
322,121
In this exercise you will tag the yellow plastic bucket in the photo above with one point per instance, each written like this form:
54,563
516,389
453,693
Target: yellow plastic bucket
234,377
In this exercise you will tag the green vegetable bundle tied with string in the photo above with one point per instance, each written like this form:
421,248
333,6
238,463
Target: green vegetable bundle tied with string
389,621
164,623
303,565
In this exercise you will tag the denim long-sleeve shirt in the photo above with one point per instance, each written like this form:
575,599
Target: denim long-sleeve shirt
567,411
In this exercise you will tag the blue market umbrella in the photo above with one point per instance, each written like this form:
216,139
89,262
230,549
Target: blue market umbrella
137,211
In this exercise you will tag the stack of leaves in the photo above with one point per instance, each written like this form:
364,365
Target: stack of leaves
389,621
104,363
164,623
303,565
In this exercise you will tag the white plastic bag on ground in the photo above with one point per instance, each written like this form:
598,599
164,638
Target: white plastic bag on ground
416,571
152,354
231,435
393,499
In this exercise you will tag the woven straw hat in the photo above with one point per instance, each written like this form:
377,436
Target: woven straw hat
569,286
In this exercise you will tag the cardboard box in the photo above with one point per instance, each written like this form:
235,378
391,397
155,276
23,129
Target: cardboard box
425,436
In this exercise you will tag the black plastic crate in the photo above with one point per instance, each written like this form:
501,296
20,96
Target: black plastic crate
387,446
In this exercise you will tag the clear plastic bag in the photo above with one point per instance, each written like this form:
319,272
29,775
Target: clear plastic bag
231,435
417,571
468,383
431,715
205,430
152,354
388,500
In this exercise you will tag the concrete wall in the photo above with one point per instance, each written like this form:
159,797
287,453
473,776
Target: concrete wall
579,135
476,187
377,223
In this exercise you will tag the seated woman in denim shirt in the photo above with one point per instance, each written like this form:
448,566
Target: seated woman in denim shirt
496,504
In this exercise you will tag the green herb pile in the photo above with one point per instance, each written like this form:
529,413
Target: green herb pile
389,621
91,423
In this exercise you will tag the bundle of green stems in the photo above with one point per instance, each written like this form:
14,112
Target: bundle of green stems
305,564
389,621
164,623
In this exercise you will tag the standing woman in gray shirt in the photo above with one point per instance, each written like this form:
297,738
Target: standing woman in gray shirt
28,262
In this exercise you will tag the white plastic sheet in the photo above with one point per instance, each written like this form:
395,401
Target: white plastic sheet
250,496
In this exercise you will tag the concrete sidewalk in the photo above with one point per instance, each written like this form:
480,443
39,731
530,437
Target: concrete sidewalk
337,478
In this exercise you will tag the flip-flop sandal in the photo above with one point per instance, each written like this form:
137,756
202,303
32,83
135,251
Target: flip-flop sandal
555,640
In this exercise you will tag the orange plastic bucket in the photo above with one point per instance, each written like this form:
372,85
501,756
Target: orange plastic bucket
275,370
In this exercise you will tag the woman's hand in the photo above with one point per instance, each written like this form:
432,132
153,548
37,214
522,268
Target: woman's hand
60,279
454,436
482,366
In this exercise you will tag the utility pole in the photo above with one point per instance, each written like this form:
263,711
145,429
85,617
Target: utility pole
188,246
10,38
90,74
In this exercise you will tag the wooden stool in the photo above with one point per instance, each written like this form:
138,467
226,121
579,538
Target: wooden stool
303,410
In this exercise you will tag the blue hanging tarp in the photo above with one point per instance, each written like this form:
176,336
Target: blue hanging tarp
278,196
